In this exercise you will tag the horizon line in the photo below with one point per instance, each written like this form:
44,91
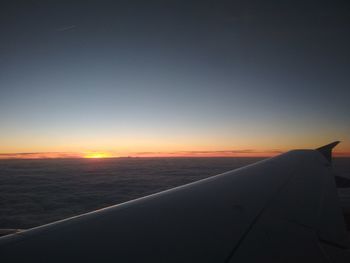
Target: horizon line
175,154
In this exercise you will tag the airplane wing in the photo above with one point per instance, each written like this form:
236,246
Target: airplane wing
282,209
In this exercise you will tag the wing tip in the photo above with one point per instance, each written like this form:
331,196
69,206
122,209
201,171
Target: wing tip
326,150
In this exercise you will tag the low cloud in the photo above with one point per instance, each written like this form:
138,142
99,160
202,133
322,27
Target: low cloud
40,155
218,153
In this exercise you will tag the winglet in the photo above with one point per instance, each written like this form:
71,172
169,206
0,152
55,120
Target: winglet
326,150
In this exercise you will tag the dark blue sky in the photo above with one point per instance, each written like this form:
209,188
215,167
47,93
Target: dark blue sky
130,76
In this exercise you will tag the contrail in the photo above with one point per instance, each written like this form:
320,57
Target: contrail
66,28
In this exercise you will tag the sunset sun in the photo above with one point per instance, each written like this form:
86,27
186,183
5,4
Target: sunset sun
96,155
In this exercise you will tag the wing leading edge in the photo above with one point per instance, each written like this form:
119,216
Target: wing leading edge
283,209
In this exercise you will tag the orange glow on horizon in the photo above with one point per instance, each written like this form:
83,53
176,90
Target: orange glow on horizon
101,155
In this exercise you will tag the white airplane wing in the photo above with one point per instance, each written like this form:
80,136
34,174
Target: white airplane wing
283,209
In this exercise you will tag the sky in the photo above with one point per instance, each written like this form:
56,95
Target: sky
173,78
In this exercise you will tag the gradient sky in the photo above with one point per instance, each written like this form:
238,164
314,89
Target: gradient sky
143,77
